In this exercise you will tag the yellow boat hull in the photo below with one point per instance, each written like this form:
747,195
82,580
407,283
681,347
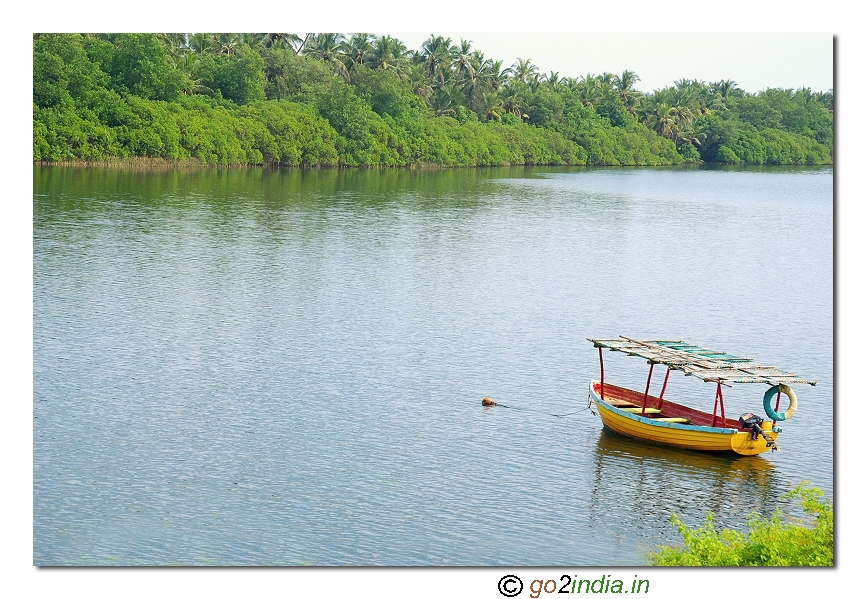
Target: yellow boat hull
686,436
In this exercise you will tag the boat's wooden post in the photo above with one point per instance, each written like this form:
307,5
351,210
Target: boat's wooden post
601,361
664,386
716,404
778,401
722,406
646,393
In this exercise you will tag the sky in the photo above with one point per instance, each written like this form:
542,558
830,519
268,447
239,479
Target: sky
755,61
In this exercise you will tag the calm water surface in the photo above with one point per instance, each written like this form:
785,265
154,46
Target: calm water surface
286,367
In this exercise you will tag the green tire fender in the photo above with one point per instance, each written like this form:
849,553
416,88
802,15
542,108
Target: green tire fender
768,398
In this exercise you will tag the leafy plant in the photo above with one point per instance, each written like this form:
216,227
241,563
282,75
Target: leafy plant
769,542
332,100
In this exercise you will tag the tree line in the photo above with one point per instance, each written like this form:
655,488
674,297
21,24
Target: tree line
330,99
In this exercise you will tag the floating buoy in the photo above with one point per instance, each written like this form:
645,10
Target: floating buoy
488,401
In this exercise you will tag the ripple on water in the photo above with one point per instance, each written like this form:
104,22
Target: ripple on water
285,368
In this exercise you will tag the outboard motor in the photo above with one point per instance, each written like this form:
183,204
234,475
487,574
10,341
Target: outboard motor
753,423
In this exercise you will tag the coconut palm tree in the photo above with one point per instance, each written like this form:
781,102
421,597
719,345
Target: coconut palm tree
589,90
326,47
489,107
722,92
308,39
552,80
726,88
443,100
198,42
462,61
357,48
177,44
494,79
228,43
570,83
624,85
686,92
825,98
482,83
253,40
389,54
674,122
514,99
606,83
523,70
191,65
282,40
436,56
659,116
684,117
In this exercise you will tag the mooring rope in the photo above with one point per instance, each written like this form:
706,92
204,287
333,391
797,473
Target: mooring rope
488,401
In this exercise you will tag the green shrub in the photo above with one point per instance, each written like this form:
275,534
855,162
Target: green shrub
689,152
769,542
244,100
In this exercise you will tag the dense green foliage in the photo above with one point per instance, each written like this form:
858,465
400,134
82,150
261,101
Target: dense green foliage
769,542
331,100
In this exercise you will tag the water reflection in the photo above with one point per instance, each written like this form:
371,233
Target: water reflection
222,359
645,483
82,188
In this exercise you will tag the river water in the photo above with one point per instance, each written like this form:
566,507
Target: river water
268,367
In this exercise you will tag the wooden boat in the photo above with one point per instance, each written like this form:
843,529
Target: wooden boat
657,420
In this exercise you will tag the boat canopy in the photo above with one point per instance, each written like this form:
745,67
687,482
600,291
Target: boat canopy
705,364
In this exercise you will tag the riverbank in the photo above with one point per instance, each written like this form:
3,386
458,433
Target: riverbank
146,163
246,101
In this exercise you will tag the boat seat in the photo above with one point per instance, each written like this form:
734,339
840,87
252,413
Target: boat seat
639,410
619,403
675,420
